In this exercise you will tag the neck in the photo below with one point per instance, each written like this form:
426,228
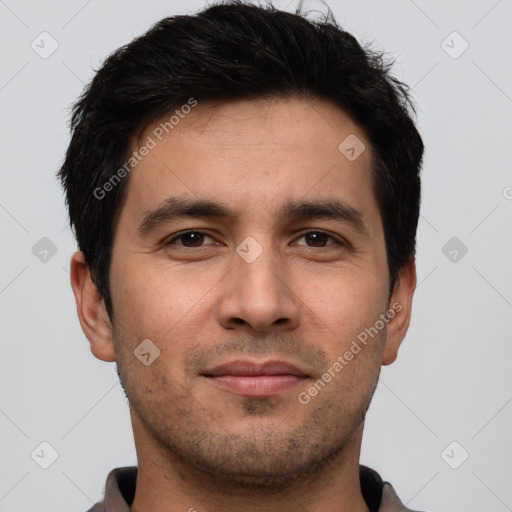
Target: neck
167,482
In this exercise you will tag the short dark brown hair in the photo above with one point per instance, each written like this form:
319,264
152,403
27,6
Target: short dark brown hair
237,51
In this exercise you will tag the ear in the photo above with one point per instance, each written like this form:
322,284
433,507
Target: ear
399,311
91,309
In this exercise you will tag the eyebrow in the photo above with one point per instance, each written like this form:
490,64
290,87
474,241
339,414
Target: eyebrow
173,208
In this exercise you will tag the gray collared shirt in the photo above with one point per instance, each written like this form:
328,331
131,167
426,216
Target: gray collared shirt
121,482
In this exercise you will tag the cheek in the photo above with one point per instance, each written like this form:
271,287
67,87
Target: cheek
347,312
157,300
345,299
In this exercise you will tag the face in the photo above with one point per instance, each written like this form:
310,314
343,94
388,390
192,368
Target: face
286,263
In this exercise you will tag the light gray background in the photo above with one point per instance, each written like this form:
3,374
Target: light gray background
452,380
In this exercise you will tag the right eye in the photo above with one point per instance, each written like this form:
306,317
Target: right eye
189,237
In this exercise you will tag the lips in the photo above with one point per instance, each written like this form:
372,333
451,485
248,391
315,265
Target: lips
256,379
251,369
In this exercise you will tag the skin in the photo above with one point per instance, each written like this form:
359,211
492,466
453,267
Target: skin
303,300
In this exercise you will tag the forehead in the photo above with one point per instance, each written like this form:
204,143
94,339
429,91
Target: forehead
253,155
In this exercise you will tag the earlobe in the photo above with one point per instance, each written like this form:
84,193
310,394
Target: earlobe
399,311
91,310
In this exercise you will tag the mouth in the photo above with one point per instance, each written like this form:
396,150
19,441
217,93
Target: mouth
256,379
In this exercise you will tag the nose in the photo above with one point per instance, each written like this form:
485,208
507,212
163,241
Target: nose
259,296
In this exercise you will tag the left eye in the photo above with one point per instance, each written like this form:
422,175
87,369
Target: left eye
195,238
318,237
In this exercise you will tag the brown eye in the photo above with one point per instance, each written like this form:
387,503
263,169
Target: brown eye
318,239
189,239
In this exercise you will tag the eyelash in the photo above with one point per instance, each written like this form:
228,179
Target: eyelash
183,233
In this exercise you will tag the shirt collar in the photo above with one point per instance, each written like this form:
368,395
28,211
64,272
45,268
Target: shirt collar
121,484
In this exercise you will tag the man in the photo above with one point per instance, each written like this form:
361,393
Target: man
244,188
